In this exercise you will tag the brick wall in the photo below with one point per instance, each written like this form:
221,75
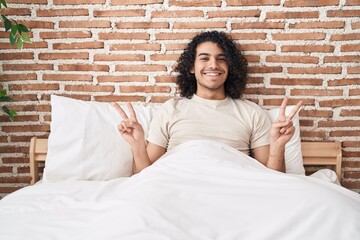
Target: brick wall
125,50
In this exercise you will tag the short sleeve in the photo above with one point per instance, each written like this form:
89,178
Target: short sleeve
158,131
261,129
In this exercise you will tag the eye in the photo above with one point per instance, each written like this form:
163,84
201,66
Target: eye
204,59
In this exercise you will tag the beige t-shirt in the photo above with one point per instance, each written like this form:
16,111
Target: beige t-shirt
238,123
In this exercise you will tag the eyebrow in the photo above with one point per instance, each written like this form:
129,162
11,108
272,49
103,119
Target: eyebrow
208,54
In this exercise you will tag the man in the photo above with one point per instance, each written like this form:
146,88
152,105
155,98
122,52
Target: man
212,78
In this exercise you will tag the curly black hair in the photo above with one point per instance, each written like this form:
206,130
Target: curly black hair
236,80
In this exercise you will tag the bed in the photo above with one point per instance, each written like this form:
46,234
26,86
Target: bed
201,189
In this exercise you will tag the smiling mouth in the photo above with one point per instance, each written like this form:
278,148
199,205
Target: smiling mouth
212,74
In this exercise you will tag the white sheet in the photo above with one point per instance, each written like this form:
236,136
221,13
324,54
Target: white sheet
200,190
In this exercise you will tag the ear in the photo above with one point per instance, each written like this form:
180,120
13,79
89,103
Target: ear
192,70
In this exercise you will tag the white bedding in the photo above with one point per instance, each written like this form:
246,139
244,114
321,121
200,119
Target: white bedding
199,190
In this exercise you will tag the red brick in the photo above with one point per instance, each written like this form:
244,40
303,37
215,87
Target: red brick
136,47
345,37
177,14
124,36
27,67
258,25
343,13
315,92
346,123
252,2
234,13
352,3
80,45
84,24
120,13
113,98
164,57
33,87
318,25
89,88
350,48
353,70
264,91
307,48
84,67
77,2
140,68
296,81
15,56
165,79
119,57
15,11
195,3
17,77
307,3
146,89
339,102
67,77
343,58
138,25
62,12
315,70
298,36
199,25
70,55
132,78
292,59
135,2
65,34
292,15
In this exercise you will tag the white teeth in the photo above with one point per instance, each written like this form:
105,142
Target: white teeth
212,74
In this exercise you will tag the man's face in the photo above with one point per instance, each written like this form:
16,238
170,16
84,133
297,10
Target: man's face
210,68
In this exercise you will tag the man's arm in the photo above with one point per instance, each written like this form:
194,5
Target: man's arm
132,131
281,132
145,156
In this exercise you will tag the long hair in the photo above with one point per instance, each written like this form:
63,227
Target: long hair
236,80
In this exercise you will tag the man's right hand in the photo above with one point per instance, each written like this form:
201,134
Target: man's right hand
130,129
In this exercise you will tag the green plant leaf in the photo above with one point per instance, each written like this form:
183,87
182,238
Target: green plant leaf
5,99
3,92
25,38
13,39
19,43
11,113
7,23
3,2
23,28
14,30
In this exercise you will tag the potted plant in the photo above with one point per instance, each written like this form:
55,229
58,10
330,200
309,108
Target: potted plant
18,32
5,98
18,35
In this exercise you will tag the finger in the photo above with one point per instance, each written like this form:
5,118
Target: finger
290,130
131,111
295,110
283,107
120,111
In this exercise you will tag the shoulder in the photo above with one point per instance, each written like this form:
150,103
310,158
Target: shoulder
170,105
249,106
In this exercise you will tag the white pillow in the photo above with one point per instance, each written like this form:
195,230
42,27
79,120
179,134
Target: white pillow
84,143
293,155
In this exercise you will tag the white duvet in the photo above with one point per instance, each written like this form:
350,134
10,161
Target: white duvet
199,190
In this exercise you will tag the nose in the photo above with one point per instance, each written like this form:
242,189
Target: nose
213,63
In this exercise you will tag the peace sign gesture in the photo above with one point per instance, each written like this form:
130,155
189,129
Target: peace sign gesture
282,128
130,129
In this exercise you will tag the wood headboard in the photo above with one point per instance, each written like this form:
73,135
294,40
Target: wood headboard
314,154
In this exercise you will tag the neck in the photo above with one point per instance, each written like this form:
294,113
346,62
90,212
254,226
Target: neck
211,95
